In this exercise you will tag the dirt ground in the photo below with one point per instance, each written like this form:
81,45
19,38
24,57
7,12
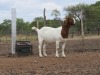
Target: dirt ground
79,60
87,63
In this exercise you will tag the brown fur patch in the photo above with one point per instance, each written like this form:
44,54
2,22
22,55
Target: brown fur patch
68,22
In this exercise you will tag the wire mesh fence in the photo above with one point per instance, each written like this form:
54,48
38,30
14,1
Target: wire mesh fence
74,43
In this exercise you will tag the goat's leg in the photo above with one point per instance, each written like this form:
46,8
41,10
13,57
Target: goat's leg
57,48
44,49
40,48
63,48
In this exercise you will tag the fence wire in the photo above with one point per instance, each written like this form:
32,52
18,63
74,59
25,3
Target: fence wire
74,43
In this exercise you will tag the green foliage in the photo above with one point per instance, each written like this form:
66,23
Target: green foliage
96,4
92,21
53,23
38,19
5,27
34,23
75,10
55,13
91,16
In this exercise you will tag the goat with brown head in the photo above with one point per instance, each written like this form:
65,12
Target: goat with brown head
50,35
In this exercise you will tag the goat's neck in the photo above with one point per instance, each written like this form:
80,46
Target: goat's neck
65,31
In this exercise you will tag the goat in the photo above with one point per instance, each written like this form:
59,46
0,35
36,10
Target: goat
50,35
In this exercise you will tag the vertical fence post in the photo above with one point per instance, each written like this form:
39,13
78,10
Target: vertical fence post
13,13
37,24
44,17
50,23
82,27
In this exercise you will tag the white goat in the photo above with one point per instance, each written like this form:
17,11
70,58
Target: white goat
50,35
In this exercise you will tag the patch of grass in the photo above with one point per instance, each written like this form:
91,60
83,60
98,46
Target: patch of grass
28,38
19,37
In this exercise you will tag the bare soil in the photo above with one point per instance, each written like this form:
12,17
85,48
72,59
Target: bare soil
87,63
79,60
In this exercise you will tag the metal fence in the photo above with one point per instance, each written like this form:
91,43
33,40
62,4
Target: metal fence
74,43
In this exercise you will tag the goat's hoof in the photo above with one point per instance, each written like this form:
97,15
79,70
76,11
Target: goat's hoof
57,56
40,56
63,56
45,55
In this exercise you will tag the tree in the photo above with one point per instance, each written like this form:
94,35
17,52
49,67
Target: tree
94,17
75,10
38,19
34,23
96,4
94,11
20,25
91,15
55,13
5,27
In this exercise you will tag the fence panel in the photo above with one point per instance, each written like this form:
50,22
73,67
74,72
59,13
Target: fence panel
74,43
5,42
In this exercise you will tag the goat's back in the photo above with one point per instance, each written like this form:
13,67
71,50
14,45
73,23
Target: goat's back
50,34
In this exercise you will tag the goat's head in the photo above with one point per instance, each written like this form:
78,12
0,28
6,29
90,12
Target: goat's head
69,21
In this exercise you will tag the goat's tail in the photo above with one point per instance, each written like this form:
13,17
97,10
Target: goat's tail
36,29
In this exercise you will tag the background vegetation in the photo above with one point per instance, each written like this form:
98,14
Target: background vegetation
91,20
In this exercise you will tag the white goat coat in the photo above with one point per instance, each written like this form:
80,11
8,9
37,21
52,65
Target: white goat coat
50,35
